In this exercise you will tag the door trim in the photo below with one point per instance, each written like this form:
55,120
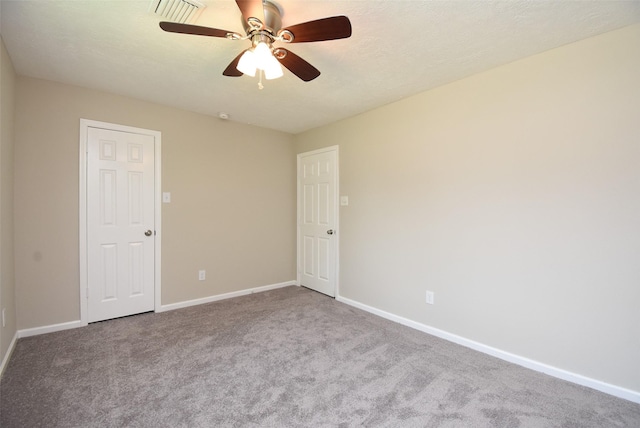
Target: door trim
336,214
85,124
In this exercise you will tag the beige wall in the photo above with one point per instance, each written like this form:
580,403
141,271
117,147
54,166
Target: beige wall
232,188
514,196
7,284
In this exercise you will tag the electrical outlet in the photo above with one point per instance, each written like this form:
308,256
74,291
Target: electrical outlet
430,297
202,274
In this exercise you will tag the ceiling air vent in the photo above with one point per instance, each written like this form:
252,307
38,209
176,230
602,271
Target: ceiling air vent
182,11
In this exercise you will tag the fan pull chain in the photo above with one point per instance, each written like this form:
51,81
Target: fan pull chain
260,85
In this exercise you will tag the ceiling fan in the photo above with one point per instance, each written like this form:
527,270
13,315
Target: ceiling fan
262,21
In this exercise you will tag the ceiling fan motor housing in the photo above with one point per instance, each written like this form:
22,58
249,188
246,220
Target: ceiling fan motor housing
272,20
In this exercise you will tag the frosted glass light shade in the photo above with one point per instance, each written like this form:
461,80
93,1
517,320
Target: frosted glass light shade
272,69
262,54
247,64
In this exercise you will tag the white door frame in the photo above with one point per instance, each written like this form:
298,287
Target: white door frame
336,214
85,124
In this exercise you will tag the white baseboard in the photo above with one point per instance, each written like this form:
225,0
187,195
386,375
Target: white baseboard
209,299
5,359
50,328
607,388
75,324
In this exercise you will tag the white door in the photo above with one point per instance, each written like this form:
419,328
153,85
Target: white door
120,223
317,220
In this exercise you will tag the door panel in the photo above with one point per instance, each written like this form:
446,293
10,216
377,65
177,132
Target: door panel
120,209
317,221
109,280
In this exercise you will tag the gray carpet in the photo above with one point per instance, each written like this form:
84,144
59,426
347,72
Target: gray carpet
285,358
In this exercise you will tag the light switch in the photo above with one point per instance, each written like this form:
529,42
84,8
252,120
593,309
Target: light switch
166,197
344,201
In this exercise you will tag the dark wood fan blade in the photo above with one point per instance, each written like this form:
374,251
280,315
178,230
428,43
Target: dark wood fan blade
175,27
231,69
298,66
332,28
251,9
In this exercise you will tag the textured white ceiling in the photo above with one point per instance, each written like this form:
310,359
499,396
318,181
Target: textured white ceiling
398,48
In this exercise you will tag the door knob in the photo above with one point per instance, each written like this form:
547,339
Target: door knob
148,233
330,232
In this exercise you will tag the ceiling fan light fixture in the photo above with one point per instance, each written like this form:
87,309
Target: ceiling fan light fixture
261,58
